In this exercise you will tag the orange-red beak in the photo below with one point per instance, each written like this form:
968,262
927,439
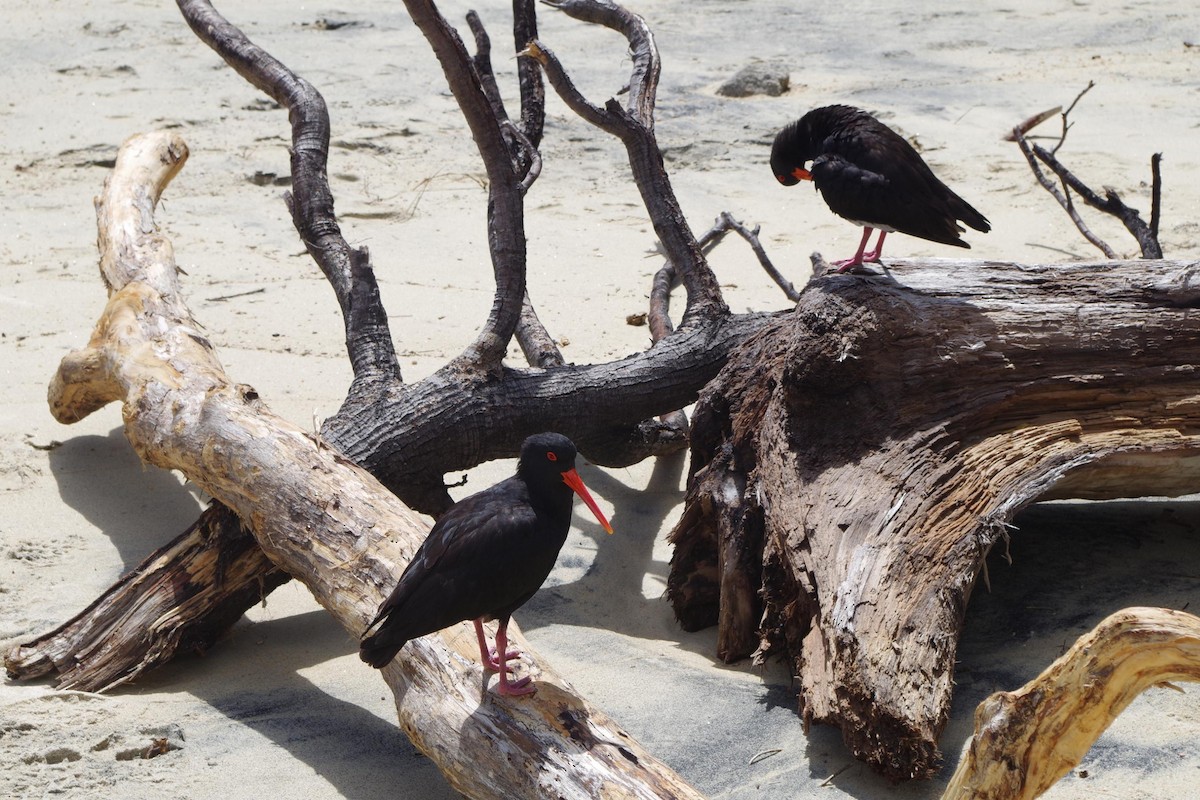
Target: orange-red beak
801,174
571,478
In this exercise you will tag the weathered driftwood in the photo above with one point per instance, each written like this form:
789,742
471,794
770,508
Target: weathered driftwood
854,462
1026,740
180,599
473,409
321,518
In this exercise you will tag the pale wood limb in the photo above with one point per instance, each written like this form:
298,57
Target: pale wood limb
1026,740
322,519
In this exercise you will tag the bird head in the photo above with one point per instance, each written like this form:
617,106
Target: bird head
792,151
548,459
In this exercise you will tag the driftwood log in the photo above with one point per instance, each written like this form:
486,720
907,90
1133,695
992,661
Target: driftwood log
278,488
476,408
1026,740
321,518
855,461
294,504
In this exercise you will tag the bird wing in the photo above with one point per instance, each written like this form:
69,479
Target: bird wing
446,581
869,173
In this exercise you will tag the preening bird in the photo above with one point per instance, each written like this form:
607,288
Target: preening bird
485,557
868,174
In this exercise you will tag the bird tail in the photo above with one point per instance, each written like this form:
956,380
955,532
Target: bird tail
380,648
967,213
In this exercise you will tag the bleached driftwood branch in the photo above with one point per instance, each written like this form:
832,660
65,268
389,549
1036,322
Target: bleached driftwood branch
321,518
1026,740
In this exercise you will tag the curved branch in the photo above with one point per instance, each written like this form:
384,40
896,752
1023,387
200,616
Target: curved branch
348,270
634,126
506,213
643,83
1026,740
325,521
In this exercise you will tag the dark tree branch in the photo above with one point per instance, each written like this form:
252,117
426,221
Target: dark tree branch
348,270
1111,204
726,223
634,126
1155,194
533,92
1058,195
536,343
506,213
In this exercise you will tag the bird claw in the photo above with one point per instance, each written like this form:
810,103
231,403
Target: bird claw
493,663
516,688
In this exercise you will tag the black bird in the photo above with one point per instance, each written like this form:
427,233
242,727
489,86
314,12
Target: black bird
868,174
485,557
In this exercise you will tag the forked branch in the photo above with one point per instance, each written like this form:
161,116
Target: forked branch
633,124
1110,203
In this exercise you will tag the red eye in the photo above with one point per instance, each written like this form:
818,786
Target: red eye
551,456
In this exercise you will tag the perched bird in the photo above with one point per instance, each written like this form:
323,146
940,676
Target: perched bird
485,557
868,174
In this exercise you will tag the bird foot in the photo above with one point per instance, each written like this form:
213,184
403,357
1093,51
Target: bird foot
492,663
857,265
516,688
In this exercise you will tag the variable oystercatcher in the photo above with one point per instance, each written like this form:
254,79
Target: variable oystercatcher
870,175
485,557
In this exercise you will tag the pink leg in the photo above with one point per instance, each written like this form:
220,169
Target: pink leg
510,688
877,253
487,655
847,263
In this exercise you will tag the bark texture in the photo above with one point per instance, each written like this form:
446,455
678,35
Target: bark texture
1026,740
854,462
318,516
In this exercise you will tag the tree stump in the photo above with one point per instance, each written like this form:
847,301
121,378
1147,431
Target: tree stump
854,463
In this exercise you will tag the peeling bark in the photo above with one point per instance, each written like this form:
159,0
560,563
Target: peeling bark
854,462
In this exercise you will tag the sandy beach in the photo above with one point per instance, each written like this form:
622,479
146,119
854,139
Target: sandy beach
283,707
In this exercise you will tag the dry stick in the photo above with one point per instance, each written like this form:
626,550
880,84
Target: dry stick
1066,126
1032,122
1026,740
1155,194
324,520
725,223
1146,236
1063,201
1111,203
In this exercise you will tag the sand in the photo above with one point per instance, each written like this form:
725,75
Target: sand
282,707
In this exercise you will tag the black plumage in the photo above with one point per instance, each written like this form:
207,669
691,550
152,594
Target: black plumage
868,174
485,557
